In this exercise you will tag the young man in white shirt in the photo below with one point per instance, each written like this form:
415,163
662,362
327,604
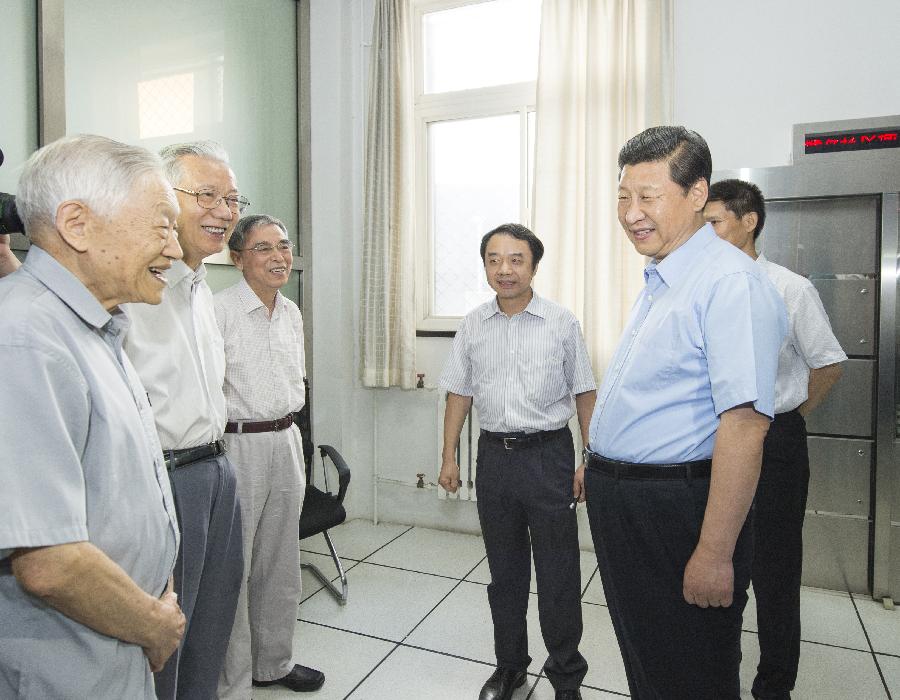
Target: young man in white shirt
808,366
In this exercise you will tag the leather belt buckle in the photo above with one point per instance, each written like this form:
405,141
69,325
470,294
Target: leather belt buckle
508,442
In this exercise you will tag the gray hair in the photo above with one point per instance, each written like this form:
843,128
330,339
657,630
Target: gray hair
246,225
172,155
92,169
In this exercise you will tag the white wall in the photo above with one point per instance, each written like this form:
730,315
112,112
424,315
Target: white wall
344,413
744,74
339,412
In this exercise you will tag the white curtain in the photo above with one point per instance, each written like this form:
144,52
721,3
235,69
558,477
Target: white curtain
604,75
388,299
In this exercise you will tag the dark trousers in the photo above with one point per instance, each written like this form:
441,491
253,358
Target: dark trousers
644,533
524,496
208,575
778,554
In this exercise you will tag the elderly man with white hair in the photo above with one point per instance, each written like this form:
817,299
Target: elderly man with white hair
178,352
88,533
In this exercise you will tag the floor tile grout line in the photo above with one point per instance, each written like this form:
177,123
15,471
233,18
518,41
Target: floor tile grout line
862,624
457,585
535,684
374,551
828,644
328,554
452,656
418,571
349,631
595,572
371,671
391,541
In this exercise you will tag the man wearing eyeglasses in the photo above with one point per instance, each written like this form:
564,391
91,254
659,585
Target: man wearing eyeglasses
179,354
264,370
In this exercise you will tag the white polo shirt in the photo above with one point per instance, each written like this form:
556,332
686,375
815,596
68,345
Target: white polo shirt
809,343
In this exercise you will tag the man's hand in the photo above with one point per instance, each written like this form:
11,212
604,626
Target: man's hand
167,632
8,261
578,484
708,580
454,416
449,478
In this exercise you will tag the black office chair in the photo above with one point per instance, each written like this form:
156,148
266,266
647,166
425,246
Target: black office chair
323,510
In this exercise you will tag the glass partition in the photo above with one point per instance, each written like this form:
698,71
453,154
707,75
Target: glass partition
18,93
171,71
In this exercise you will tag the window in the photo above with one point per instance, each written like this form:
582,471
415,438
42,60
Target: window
476,67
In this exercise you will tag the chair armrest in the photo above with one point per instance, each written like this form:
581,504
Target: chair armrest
342,469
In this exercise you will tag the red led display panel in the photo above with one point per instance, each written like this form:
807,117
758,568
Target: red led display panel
863,140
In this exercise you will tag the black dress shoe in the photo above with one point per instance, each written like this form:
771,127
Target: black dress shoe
568,694
501,684
301,679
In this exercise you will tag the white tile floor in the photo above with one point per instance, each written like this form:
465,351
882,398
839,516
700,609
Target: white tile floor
417,625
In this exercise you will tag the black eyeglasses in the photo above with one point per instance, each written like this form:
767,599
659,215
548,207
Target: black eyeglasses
210,200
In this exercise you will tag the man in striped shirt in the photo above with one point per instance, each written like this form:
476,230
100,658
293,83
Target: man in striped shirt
808,366
523,361
264,370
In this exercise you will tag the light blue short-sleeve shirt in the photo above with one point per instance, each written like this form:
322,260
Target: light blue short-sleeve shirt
702,338
81,462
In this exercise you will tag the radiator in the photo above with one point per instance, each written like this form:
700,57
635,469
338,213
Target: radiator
466,453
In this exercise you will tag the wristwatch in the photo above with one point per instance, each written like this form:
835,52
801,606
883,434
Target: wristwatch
585,455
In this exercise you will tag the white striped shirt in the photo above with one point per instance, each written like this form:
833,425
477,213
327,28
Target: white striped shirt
264,360
809,343
522,371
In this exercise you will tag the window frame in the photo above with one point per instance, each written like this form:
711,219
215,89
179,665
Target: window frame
511,98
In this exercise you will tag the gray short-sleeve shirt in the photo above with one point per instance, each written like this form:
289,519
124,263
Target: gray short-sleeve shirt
81,462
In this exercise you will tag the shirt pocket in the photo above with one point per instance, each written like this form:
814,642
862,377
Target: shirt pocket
668,349
544,380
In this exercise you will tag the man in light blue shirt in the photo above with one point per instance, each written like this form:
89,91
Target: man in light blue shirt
677,433
88,533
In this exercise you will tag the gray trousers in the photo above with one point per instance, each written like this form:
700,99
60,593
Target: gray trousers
207,576
271,483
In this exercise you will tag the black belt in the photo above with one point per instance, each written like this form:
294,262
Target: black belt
181,458
260,426
628,470
515,441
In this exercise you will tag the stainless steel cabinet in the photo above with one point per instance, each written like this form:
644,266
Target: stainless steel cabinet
813,237
834,219
850,304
